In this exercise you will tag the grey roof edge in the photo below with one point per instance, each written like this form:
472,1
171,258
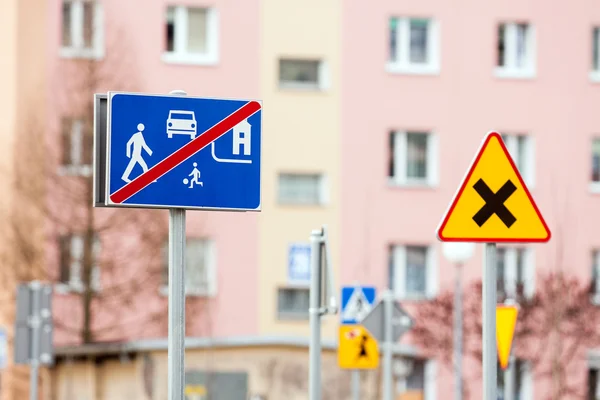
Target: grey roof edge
148,345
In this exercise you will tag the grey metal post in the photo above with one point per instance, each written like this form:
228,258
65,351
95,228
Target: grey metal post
356,384
314,311
36,323
176,346
458,333
176,341
510,379
388,308
489,323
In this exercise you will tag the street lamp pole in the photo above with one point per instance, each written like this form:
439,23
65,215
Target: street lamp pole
458,254
458,334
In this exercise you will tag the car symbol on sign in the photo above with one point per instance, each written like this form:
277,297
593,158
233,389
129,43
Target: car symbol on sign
181,122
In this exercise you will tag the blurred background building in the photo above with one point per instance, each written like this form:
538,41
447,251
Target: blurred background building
372,115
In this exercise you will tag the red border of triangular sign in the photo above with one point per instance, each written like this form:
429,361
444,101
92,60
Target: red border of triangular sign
462,188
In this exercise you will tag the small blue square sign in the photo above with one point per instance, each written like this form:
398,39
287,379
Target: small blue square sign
299,262
3,349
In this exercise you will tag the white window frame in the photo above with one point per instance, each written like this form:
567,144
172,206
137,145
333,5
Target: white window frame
400,154
77,30
77,152
75,283
285,316
510,271
323,80
180,55
430,378
526,390
323,189
402,64
595,73
510,70
431,273
211,270
528,170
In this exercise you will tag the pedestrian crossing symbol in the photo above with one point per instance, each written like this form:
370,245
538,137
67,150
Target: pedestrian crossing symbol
357,348
357,302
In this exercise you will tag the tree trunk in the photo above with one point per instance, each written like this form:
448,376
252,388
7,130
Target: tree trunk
88,264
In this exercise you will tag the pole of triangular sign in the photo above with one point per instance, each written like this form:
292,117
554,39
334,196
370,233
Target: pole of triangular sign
330,301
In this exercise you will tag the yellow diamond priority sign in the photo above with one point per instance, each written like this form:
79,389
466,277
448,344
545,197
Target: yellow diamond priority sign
493,203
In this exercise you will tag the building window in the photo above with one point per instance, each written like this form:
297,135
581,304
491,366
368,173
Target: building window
302,74
200,268
413,158
71,262
592,383
595,72
292,303
82,30
191,35
302,189
77,147
516,50
596,163
413,45
515,269
596,277
522,380
522,151
413,272
416,378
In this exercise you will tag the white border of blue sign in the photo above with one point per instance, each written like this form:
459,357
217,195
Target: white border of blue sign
108,203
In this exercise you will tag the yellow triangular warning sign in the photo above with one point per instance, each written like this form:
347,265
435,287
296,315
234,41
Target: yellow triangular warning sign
493,203
506,319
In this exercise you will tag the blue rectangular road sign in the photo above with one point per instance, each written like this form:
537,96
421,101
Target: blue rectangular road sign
357,302
3,349
169,151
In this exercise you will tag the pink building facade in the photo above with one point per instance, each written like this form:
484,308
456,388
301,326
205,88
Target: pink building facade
408,98
442,76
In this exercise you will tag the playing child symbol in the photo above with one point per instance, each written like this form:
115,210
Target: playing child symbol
195,174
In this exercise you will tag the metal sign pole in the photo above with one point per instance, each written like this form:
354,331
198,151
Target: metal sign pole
314,378
388,307
458,331
35,339
356,384
176,341
489,322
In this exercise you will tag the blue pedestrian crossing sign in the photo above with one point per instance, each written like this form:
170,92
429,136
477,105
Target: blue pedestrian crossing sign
357,302
171,151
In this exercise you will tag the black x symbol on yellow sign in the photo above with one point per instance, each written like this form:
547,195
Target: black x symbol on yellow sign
494,203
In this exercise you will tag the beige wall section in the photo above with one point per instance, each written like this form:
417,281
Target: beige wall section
274,372
301,134
22,81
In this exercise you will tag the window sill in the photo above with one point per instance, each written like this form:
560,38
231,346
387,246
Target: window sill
291,316
521,74
395,68
595,76
594,187
414,298
75,170
87,54
190,59
68,288
395,184
164,291
301,86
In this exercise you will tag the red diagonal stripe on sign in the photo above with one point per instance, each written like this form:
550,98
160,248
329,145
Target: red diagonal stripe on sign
185,152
